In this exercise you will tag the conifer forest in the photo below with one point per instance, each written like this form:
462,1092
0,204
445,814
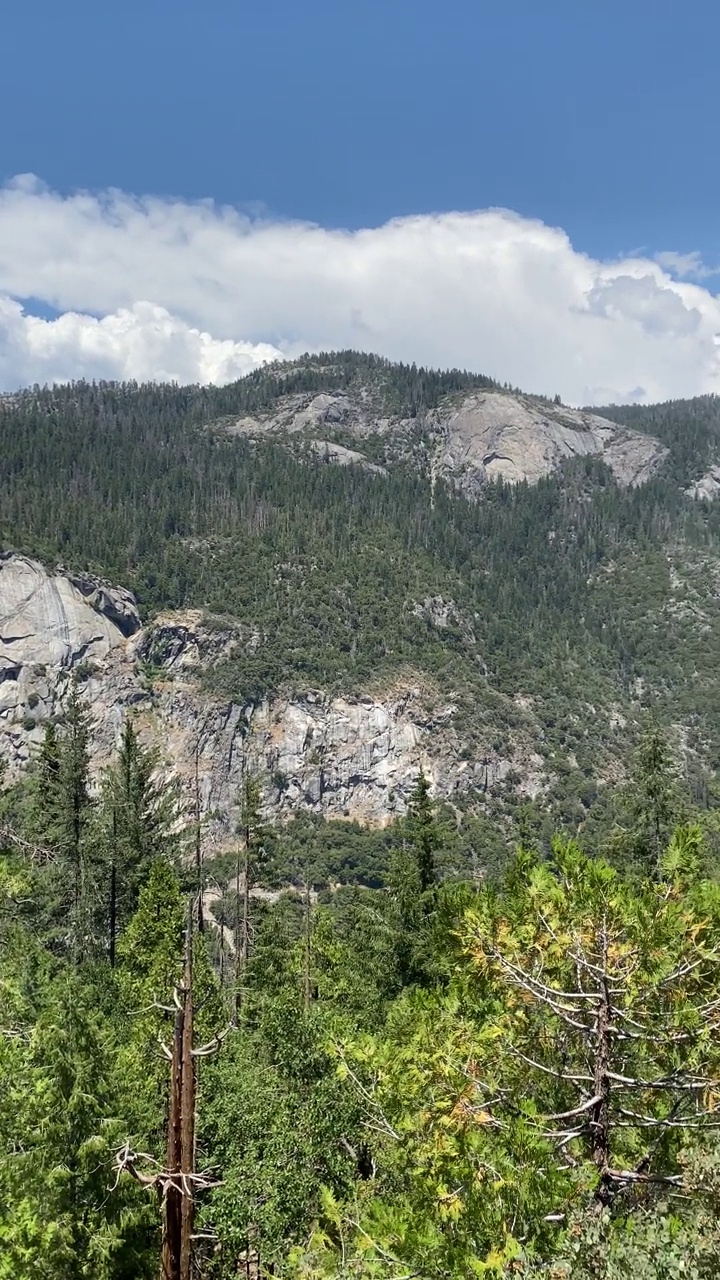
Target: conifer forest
481,1039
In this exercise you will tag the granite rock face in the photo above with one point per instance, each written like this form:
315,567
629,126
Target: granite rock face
471,439
357,413
707,487
343,757
343,457
495,435
50,624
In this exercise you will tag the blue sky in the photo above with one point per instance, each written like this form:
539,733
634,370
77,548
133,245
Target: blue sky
600,117
596,118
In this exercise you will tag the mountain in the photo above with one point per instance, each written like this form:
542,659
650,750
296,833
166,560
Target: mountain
468,436
340,571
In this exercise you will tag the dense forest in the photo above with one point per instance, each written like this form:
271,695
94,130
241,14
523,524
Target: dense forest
440,1076
480,1041
589,600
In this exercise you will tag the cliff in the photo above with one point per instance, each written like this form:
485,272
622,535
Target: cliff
343,757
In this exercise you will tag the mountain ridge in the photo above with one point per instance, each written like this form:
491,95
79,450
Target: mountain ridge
550,614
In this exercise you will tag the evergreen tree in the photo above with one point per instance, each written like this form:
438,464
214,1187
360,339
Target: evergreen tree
73,781
140,818
423,834
412,879
150,956
62,1216
249,859
45,817
55,814
653,801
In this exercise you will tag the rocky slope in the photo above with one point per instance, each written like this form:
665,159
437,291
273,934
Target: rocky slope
352,757
471,636
492,435
50,624
470,438
707,487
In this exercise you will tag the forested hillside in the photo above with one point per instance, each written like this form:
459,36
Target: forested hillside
691,429
481,1041
438,1078
558,609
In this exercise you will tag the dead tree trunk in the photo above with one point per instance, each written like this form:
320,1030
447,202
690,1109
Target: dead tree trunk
198,839
245,939
172,1201
179,1198
600,1115
187,1113
242,910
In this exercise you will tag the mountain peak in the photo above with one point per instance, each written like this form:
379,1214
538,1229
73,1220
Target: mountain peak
470,429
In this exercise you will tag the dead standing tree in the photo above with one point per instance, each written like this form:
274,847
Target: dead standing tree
179,1182
612,1014
179,1199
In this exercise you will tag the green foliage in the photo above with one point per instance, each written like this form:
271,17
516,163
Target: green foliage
440,1077
422,833
277,1119
653,805
437,1069
58,813
568,592
60,1119
666,1238
481,1095
140,813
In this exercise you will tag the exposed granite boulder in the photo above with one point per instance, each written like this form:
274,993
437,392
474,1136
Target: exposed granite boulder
56,618
115,604
50,623
327,451
707,487
495,435
358,413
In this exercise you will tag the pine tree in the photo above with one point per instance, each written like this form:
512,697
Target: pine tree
46,808
57,816
248,860
412,880
656,802
653,801
423,833
140,816
150,954
73,778
61,1216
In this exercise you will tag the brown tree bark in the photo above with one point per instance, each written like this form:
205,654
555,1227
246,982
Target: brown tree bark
187,1112
172,1206
179,1198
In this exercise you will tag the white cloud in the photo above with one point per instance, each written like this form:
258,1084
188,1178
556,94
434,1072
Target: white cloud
142,342
491,291
689,266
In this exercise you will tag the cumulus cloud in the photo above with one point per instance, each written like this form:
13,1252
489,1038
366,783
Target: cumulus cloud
490,291
142,342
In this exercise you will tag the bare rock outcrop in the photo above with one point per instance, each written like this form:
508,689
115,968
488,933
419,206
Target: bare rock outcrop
495,435
328,451
343,757
357,413
50,623
707,487
471,438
